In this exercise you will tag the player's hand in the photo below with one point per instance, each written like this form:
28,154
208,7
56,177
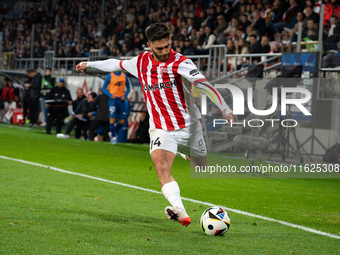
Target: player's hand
229,117
89,114
113,97
122,98
81,67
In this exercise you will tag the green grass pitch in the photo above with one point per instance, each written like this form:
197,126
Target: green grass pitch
48,212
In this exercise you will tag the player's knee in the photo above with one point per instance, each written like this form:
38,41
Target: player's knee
121,122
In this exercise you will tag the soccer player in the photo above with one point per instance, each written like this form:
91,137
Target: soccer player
166,78
116,86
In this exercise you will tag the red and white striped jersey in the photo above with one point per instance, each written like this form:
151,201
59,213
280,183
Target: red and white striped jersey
166,87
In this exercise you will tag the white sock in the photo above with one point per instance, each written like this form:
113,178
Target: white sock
172,194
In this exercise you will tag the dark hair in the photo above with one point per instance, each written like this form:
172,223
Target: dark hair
157,31
94,94
48,68
253,36
30,71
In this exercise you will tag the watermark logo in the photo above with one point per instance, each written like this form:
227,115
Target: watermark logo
239,99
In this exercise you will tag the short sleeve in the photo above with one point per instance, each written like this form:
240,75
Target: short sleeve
189,70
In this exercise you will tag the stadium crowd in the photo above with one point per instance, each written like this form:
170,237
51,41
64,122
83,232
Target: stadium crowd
195,25
244,26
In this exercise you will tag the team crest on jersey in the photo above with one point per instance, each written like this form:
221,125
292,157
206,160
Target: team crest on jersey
163,70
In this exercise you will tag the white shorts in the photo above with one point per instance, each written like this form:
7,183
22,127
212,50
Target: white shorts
188,140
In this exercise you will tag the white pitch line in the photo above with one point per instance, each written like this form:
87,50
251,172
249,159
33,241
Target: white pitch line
311,230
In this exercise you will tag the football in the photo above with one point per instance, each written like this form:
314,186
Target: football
215,221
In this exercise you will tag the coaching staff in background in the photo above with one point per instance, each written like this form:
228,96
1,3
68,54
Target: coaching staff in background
57,101
34,95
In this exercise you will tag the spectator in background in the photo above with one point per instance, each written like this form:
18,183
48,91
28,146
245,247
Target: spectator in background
39,50
80,117
80,97
209,40
58,109
198,9
331,59
329,9
175,45
210,20
287,18
310,14
268,13
228,11
240,34
79,52
332,34
10,96
231,61
234,23
300,17
280,7
100,112
244,22
127,50
104,50
34,92
191,24
260,47
241,47
47,83
218,32
259,24
188,49
200,36
310,30
273,47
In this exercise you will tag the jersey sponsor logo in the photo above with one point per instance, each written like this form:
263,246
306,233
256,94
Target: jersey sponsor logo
166,85
194,72
119,83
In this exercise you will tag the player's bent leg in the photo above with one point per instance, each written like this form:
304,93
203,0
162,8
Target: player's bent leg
163,161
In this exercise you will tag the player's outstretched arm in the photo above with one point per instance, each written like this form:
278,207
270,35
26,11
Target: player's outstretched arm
109,66
215,97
